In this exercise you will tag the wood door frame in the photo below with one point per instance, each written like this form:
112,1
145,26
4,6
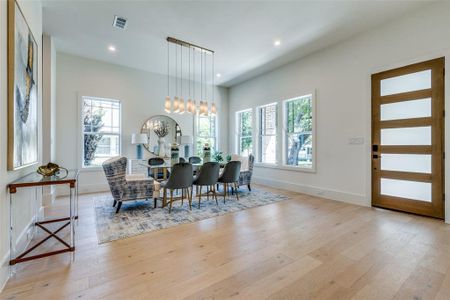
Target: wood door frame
436,208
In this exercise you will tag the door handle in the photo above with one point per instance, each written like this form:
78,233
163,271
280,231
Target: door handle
375,148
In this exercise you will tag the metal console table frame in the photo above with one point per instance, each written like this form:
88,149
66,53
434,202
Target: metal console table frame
36,180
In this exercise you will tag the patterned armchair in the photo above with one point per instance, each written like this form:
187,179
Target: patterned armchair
124,188
245,177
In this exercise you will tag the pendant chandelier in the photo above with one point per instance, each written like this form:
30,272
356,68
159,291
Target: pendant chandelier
192,105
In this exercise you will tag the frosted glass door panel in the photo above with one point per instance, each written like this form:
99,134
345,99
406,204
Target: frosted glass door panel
406,136
406,189
406,83
406,163
406,110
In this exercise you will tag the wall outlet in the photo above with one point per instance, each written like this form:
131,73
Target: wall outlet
356,141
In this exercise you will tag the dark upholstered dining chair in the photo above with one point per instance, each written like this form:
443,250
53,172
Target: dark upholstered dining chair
207,176
180,179
230,176
156,161
195,160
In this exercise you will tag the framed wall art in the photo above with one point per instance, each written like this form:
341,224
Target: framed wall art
22,91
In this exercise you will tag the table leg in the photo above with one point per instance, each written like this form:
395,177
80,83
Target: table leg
76,199
12,248
71,220
165,173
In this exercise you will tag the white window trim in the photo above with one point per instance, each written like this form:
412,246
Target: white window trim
238,130
313,135
80,153
216,146
280,131
258,136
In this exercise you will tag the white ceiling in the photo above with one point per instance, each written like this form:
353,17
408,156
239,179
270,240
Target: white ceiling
241,33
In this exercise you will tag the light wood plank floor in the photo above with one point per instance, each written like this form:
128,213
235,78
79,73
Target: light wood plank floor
303,248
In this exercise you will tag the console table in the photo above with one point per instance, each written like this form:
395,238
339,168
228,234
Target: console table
36,180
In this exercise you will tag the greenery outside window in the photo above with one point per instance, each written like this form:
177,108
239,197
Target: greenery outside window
298,142
101,126
205,134
267,147
245,132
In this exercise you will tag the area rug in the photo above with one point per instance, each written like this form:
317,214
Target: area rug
138,217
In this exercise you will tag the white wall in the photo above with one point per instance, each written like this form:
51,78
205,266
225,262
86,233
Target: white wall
341,76
23,199
142,95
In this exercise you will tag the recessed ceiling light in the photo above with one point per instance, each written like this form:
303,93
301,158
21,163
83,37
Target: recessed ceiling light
112,48
277,43
218,74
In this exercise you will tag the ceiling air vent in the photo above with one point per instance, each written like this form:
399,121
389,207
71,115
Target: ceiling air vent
119,22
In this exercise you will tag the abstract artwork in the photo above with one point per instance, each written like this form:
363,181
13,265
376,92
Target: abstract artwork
22,91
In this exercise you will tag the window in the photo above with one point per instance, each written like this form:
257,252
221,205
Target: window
245,132
205,133
298,117
268,134
101,130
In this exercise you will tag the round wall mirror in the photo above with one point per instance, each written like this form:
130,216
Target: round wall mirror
162,132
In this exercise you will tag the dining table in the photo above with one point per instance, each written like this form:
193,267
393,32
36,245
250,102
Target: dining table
165,167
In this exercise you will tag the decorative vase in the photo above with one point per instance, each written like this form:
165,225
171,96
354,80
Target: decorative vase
161,149
206,153
174,154
139,151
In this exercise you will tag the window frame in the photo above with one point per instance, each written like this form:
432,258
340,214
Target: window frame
80,154
285,141
239,137
259,136
196,135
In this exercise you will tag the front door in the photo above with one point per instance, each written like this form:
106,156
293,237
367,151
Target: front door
408,138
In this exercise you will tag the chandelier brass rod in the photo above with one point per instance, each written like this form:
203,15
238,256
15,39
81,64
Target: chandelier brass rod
187,44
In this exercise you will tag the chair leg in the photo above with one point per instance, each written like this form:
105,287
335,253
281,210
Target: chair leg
200,196
249,187
114,203
236,190
182,197
190,198
164,197
171,201
215,194
119,205
154,202
224,192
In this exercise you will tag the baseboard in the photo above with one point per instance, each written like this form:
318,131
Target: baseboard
4,271
84,189
352,198
93,188
24,238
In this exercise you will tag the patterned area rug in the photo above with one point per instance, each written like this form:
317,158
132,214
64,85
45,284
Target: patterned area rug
138,217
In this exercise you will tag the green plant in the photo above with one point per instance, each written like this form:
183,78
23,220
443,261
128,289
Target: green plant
218,156
228,157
